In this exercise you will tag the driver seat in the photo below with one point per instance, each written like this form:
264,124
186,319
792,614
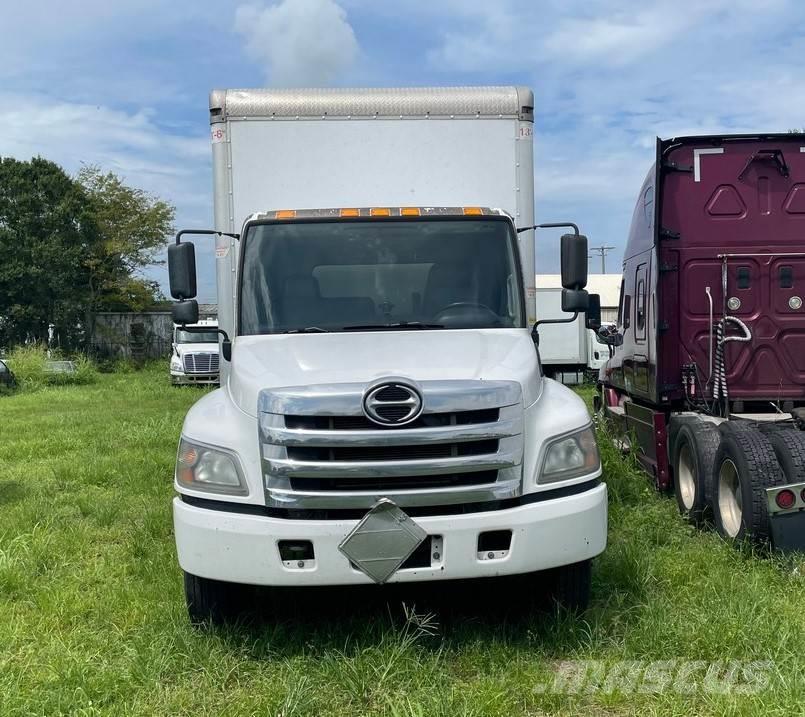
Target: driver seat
447,284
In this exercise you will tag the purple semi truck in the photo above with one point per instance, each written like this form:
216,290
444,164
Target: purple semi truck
706,378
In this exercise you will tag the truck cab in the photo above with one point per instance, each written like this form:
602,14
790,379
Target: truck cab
383,416
707,375
597,351
194,354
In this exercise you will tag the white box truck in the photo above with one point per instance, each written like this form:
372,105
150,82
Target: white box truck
382,415
569,351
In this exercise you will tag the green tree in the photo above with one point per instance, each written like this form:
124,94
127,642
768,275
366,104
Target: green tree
47,231
132,227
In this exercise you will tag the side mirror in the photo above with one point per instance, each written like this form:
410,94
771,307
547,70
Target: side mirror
575,301
593,318
574,261
185,312
610,336
182,270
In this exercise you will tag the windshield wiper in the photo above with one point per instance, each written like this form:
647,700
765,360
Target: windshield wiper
307,330
391,327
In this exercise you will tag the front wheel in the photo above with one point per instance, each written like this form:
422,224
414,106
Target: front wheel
570,586
212,601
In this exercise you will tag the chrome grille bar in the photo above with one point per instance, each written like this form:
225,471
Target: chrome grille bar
506,457
281,436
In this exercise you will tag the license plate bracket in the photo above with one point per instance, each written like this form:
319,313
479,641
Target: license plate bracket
382,541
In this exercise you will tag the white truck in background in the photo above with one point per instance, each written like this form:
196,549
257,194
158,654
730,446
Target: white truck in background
194,354
382,415
569,351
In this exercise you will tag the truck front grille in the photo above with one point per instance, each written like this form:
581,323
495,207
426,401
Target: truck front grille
319,450
206,363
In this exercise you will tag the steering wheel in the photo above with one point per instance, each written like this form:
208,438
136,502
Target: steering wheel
459,310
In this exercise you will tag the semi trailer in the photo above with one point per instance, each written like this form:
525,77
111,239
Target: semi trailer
706,380
382,415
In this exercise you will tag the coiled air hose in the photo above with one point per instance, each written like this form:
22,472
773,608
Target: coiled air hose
720,389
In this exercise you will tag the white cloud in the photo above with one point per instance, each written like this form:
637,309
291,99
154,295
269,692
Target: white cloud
173,166
299,42
131,144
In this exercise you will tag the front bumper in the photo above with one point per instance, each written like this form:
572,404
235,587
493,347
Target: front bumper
244,548
186,379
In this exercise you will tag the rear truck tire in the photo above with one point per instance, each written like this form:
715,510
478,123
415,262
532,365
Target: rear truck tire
745,465
570,587
694,445
212,602
789,447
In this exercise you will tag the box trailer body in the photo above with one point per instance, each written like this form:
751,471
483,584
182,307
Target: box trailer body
711,328
561,346
381,371
568,351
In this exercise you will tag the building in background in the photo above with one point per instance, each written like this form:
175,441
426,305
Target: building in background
607,286
138,335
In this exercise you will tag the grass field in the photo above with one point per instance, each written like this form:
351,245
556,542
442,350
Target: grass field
92,617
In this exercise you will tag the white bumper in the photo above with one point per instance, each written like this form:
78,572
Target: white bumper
243,548
181,378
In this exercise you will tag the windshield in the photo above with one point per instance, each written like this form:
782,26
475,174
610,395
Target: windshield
376,275
187,337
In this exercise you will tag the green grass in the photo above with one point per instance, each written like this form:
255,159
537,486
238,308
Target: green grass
92,617
30,367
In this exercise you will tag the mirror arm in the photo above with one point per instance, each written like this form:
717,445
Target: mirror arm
207,232
551,225
535,327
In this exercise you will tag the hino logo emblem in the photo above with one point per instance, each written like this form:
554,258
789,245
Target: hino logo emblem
392,404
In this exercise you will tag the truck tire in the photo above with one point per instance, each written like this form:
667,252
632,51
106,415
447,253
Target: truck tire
570,587
211,602
745,465
789,447
693,453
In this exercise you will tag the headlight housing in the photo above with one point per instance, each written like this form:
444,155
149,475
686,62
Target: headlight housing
213,470
176,363
570,456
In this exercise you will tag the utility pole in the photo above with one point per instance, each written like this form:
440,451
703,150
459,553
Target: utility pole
602,251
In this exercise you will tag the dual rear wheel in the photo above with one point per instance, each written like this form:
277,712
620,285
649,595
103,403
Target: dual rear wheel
721,472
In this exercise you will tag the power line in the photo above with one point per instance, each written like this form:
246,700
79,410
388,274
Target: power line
602,251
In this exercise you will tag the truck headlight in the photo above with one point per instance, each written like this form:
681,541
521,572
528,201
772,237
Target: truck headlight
570,456
209,469
176,363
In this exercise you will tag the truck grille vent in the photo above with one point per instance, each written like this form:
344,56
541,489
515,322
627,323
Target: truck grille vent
393,393
393,453
361,423
201,363
449,480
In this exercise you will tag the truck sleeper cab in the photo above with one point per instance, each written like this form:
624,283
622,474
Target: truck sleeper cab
707,372
382,415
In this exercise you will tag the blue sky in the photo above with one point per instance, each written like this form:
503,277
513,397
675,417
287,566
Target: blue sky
124,84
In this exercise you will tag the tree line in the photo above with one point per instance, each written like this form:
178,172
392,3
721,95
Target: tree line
71,247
